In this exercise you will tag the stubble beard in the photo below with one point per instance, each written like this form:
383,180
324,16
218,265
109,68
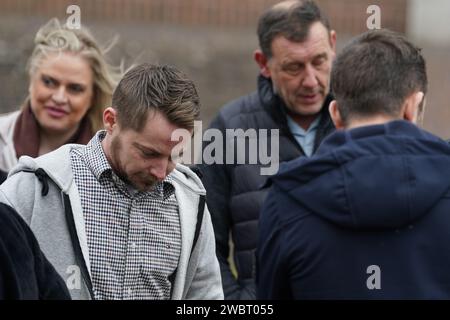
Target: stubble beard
116,148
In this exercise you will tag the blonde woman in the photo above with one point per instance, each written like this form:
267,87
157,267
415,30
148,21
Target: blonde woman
70,83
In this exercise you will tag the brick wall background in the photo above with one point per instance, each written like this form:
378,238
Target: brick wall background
348,16
211,40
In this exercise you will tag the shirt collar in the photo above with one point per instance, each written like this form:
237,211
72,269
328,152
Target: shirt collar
297,130
95,156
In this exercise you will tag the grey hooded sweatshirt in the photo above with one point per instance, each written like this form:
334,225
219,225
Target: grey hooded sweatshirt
55,216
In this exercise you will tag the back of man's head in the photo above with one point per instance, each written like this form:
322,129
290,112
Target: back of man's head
375,73
290,19
162,88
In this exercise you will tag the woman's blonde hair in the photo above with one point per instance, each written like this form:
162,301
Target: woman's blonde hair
54,37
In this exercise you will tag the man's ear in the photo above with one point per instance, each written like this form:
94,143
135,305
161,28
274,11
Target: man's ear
333,39
109,119
410,110
262,62
335,115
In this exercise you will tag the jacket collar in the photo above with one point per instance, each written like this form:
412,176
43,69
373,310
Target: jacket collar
276,107
57,165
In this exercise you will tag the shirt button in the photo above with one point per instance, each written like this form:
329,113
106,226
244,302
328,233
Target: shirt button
133,245
129,291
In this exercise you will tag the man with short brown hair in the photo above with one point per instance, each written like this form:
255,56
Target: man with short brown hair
117,217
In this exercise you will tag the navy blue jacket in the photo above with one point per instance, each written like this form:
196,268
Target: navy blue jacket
234,194
367,217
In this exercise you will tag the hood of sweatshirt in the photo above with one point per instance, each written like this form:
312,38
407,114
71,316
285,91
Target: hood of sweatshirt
373,177
57,166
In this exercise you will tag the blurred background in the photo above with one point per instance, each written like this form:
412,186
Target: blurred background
213,41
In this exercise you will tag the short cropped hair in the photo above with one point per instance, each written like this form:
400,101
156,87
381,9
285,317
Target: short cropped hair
163,88
291,19
375,73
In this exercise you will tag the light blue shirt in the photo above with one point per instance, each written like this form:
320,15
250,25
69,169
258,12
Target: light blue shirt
304,138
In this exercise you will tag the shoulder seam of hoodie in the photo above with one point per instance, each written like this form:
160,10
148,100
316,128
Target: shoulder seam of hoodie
189,175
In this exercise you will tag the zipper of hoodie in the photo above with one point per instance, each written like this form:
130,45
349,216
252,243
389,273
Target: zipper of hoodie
79,258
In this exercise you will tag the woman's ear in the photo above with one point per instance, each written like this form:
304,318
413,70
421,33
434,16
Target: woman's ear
336,115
